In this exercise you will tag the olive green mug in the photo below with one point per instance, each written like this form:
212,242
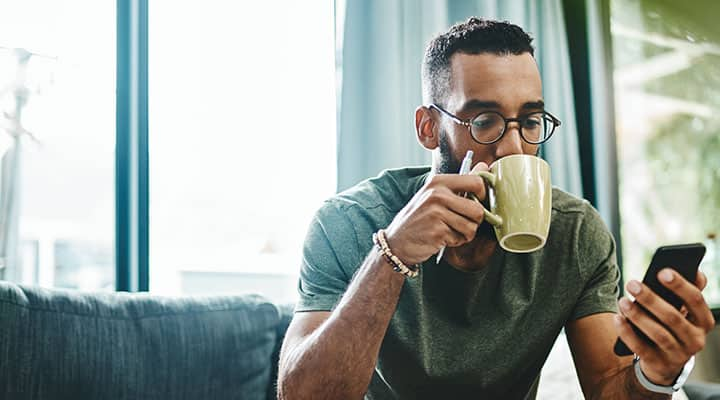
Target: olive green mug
520,199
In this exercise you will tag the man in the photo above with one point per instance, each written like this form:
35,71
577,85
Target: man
482,322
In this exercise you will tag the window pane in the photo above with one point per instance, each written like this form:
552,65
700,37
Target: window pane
667,86
57,138
242,141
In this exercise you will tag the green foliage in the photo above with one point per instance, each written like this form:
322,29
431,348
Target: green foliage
684,159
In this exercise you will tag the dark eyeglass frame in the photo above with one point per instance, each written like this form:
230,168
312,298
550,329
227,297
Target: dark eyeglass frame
520,120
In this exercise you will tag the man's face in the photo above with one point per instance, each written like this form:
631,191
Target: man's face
508,84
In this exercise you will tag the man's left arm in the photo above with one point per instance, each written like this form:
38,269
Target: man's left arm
603,374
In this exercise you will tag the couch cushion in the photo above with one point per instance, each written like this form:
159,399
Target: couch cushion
702,391
58,344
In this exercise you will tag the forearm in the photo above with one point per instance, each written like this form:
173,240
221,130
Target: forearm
337,360
624,385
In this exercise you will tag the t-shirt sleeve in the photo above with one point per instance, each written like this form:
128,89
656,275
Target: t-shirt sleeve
329,254
598,267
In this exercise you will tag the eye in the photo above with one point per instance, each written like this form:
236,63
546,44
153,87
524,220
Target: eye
484,121
532,121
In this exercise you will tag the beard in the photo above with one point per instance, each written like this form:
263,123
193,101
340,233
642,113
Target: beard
448,163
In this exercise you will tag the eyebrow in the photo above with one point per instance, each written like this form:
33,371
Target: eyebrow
533,105
474,104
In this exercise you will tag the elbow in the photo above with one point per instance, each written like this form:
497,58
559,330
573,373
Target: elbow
284,383
285,387
293,384
292,387
290,383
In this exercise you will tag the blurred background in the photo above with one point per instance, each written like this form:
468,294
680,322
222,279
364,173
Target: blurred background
183,147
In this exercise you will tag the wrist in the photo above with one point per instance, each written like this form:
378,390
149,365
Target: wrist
659,383
381,243
657,378
392,242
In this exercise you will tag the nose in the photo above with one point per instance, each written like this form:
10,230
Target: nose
511,142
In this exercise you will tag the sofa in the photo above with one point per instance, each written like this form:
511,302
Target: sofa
65,344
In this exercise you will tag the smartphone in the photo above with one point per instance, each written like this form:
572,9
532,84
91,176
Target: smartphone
683,258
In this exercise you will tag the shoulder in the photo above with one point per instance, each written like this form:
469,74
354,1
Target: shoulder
564,202
370,205
576,225
389,191
578,228
572,212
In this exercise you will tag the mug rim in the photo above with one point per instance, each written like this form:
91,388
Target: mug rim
542,161
542,239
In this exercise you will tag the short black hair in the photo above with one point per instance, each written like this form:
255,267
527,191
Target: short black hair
475,36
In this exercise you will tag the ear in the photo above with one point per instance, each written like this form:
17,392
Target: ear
426,129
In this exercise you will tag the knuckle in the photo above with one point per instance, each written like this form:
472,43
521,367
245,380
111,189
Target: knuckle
433,195
696,298
437,235
663,339
479,213
471,230
479,190
455,240
697,344
673,319
440,235
435,213
480,216
433,181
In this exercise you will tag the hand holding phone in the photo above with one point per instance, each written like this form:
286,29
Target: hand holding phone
685,259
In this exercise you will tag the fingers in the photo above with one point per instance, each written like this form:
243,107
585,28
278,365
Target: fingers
649,355
698,310
459,184
690,336
650,327
700,280
636,344
460,229
446,198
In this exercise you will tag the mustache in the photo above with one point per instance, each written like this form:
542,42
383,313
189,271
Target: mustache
448,163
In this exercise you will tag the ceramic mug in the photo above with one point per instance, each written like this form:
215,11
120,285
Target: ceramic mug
520,199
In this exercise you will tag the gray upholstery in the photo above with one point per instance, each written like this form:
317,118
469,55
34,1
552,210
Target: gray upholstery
57,344
702,391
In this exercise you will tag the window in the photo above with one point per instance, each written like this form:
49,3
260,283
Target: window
667,91
242,142
57,138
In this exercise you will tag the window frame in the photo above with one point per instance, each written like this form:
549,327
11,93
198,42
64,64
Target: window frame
131,151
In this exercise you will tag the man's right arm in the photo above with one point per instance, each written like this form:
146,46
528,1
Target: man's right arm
333,354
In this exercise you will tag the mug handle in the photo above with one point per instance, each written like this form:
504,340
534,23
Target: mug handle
493,219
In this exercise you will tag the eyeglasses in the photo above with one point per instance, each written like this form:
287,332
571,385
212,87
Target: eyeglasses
489,127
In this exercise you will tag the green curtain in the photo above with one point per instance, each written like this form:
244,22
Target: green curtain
382,44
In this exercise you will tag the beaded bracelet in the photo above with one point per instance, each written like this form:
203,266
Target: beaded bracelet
398,266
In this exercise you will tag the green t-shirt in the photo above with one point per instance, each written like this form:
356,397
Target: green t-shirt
455,334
